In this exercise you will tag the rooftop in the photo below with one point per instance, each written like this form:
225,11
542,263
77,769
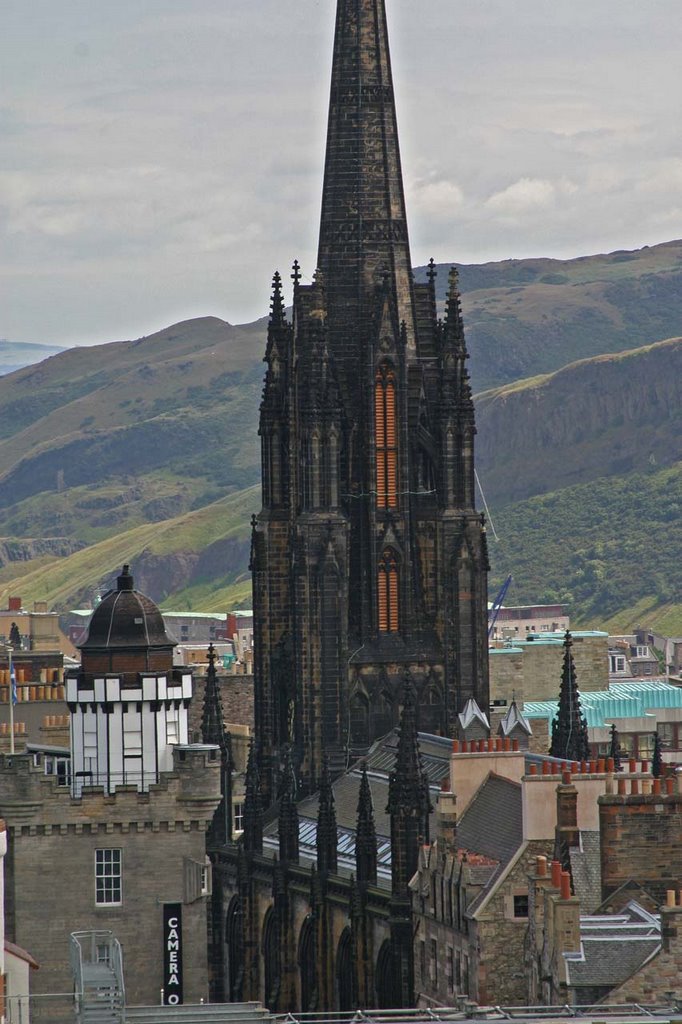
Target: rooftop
630,698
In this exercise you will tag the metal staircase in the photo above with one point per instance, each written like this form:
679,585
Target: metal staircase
97,967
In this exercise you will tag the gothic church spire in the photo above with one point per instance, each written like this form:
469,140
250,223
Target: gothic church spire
363,229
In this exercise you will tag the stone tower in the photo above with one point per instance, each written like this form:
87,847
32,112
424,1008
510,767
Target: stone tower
369,558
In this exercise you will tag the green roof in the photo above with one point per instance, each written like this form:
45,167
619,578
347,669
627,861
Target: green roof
631,699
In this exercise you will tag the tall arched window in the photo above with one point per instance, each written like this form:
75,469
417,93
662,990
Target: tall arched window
388,592
386,432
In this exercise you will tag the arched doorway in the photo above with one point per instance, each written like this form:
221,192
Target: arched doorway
384,977
234,941
270,950
306,966
345,996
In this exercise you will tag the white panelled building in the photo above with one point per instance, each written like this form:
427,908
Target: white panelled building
123,734
128,704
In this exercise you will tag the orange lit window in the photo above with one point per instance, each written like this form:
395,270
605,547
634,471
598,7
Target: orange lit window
386,438
387,589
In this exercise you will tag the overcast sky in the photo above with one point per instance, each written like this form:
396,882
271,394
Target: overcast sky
160,158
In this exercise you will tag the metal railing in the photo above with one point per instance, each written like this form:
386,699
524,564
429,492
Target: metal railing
109,781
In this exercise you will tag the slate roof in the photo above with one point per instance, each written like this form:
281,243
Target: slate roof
613,947
586,870
435,754
491,824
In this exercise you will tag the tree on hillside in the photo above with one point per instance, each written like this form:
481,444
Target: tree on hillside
569,729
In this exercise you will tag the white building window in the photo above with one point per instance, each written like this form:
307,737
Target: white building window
238,818
642,652
172,726
616,663
90,739
132,733
108,877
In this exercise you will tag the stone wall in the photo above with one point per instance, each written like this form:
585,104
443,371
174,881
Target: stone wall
499,935
236,692
532,671
50,876
640,839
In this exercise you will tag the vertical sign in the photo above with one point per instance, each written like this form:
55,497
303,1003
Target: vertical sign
172,954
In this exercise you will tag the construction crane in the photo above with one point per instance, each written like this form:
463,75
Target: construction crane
497,604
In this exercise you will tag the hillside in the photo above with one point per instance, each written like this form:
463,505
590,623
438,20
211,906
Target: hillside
612,415
147,450
525,317
612,549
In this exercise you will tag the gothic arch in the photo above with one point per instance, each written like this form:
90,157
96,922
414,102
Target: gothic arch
306,965
234,960
270,951
344,972
384,977
386,436
359,719
382,713
388,591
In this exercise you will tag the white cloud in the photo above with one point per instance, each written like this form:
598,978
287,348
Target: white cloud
164,158
528,195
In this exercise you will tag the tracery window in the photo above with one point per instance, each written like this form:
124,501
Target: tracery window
388,589
386,435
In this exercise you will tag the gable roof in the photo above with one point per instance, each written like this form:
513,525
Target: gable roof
492,823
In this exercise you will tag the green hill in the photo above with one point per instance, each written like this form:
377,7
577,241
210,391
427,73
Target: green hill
147,451
525,317
612,549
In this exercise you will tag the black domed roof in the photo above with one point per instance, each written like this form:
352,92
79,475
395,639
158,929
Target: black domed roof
126,618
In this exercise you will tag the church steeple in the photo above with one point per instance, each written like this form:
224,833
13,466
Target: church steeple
253,811
288,813
363,230
366,836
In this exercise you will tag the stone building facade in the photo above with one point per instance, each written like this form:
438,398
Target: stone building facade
312,909
128,835
530,670
369,558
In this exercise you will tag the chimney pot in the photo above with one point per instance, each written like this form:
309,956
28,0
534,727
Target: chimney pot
645,766
610,764
533,770
634,787
575,768
656,789
565,885
455,746
633,765
541,866
507,743
601,765
593,767
498,743
556,874
669,785
491,745
545,767
515,745
465,747
566,778
670,897
621,787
